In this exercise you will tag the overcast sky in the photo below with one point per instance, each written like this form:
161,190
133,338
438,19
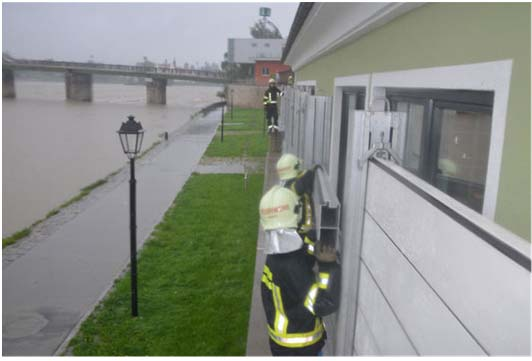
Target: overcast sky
122,33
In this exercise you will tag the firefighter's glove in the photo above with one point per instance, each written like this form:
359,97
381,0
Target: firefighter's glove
325,253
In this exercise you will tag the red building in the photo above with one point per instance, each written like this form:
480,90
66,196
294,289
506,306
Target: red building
264,69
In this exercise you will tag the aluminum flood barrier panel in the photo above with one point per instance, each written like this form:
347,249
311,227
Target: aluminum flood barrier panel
437,278
326,209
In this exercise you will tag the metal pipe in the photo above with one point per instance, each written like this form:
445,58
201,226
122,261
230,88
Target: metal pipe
222,123
133,235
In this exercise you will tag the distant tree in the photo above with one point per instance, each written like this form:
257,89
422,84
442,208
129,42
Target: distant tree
265,29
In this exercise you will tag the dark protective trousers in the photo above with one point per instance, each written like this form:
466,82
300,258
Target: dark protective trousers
312,350
271,112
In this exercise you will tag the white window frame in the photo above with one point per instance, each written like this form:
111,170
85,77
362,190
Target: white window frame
340,84
265,74
490,76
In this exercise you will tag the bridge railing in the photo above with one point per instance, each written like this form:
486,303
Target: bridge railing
127,68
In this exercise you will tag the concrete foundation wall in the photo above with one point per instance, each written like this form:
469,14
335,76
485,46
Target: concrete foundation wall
156,91
246,96
78,86
8,83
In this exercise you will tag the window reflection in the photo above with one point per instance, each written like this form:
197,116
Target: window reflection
414,128
447,137
463,155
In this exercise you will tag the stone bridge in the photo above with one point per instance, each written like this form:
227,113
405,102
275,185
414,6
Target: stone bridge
78,76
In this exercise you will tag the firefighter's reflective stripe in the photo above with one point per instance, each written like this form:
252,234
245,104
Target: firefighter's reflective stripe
267,277
267,282
270,101
310,245
267,272
281,321
298,339
324,280
311,298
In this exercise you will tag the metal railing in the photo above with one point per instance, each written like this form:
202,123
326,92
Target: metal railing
110,68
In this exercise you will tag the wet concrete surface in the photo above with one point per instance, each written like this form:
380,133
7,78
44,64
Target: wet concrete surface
257,340
53,280
230,165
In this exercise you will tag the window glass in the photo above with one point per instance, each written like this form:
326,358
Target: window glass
414,129
265,71
463,155
447,137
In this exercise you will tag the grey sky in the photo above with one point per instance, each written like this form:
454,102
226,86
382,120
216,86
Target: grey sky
125,32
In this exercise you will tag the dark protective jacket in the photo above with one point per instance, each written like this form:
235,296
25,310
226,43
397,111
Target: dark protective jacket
295,299
271,96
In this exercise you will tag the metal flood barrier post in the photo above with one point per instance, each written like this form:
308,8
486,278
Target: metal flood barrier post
326,209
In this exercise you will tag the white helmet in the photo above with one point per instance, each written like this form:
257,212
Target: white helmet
271,81
288,166
279,215
279,208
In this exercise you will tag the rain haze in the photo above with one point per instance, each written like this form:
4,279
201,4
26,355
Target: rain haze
123,33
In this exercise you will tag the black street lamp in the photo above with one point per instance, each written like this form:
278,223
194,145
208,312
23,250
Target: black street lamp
232,91
131,135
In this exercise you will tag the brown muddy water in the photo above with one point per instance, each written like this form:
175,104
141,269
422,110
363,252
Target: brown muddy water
52,147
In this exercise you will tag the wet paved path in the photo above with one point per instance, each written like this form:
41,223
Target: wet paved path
53,279
257,341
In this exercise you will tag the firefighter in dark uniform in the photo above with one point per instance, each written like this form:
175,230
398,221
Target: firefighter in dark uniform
301,181
294,298
271,97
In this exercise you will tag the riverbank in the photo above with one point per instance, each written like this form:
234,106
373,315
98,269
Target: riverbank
52,284
52,147
199,260
71,207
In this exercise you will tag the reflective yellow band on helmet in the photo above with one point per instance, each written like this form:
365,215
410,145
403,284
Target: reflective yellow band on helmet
298,339
324,280
311,298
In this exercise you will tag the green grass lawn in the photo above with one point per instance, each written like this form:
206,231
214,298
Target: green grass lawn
234,144
244,119
195,277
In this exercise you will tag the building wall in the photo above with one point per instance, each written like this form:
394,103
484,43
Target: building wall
443,34
274,68
246,96
246,51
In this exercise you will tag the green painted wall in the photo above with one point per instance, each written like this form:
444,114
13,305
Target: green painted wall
451,34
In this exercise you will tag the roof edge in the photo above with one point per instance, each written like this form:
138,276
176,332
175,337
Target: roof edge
299,19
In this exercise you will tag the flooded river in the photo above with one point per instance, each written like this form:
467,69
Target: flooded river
53,147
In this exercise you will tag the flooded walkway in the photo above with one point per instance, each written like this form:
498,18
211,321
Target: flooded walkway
54,281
